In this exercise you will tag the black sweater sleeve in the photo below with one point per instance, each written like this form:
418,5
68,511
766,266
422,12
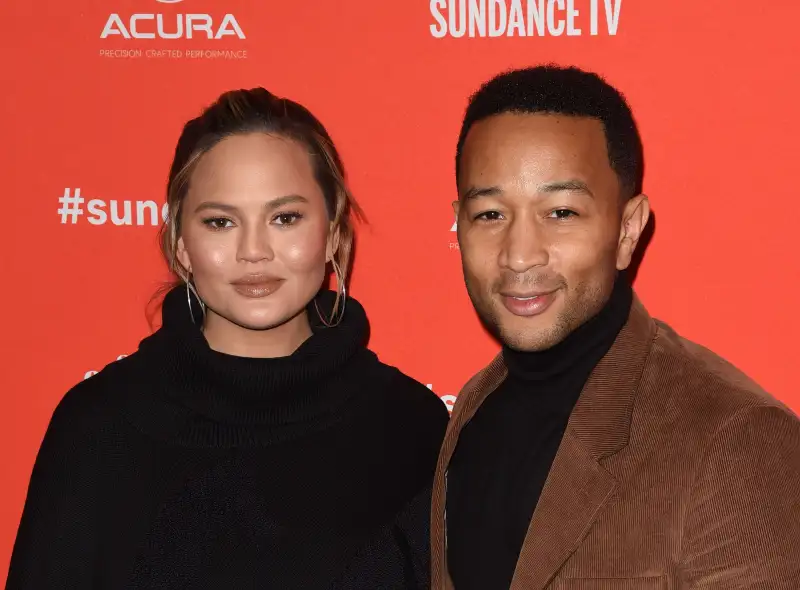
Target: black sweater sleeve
413,537
54,545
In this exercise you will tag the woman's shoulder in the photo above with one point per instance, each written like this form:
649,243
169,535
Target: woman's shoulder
415,394
405,392
94,402
403,408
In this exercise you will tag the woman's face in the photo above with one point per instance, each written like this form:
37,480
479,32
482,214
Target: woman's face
255,231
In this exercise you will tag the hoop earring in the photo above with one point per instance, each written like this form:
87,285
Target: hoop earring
340,286
190,290
336,318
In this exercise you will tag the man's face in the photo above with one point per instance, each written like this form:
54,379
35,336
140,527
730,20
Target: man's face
542,226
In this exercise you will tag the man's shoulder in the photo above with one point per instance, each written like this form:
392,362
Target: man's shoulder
699,381
730,453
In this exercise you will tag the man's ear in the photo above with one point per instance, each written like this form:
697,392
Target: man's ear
634,219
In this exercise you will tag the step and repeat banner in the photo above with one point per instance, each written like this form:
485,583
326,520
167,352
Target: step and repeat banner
95,93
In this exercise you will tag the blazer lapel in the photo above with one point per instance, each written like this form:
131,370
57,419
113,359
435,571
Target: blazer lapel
578,486
576,490
469,400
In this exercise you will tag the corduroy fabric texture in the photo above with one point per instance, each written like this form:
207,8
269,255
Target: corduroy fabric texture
676,471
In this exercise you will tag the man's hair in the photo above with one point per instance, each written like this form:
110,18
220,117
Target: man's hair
551,89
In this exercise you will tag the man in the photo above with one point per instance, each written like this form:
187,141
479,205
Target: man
600,449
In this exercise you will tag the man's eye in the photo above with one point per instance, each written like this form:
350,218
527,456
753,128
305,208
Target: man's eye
489,216
563,214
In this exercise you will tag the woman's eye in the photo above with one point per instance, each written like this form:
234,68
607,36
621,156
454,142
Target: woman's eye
218,222
489,216
287,218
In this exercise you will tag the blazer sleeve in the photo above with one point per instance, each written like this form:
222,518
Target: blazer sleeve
55,539
742,528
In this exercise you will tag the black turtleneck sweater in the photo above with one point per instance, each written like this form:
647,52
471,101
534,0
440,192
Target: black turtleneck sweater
505,452
182,467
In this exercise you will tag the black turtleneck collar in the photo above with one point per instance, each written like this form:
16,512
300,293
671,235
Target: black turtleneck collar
582,348
505,452
259,378
216,398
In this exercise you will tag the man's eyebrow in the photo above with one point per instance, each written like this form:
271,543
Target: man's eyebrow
573,185
475,192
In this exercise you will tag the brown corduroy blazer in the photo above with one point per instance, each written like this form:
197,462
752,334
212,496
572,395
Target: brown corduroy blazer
675,471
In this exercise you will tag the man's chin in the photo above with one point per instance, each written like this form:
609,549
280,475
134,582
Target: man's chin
530,334
528,342
526,334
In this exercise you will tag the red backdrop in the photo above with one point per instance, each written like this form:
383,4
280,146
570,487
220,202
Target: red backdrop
95,93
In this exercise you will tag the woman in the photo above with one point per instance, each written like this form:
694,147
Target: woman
253,441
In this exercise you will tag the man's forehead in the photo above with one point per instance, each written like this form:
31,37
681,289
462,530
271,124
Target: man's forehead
533,127
523,140
536,148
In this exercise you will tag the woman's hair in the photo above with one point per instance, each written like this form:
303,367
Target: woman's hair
259,111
